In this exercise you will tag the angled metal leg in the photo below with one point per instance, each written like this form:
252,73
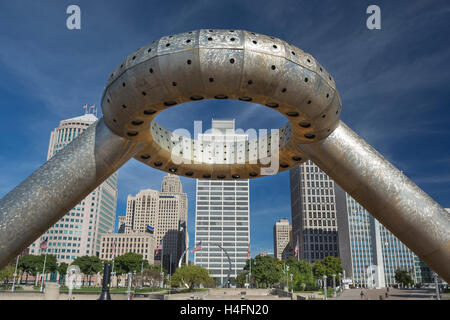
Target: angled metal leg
392,198
57,186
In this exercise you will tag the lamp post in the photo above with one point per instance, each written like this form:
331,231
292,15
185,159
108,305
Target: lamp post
325,286
106,282
15,274
292,290
129,286
334,284
72,275
436,283
340,282
286,270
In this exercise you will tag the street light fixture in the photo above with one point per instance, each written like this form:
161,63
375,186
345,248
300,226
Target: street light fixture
334,284
325,286
291,275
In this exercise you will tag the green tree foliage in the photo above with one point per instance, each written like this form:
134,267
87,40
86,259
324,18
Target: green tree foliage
193,276
129,262
28,263
32,264
403,277
266,271
89,265
241,279
302,274
50,263
7,274
328,266
62,270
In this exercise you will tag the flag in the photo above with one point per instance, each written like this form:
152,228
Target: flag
296,249
149,229
85,107
43,245
158,249
113,247
197,248
248,253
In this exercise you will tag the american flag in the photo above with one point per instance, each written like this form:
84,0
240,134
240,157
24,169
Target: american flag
248,253
113,246
296,250
85,107
43,244
158,249
197,248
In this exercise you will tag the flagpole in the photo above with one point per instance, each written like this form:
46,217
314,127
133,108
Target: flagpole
43,270
162,259
15,274
250,274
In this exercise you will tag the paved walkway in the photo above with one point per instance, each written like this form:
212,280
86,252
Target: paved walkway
393,294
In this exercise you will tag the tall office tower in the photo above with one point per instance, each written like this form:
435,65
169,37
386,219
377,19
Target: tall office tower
166,211
359,242
313,212
282,240
171,228
370,253
78,233
397,256
222,221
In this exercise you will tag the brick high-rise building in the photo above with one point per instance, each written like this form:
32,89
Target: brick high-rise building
282,240
166,211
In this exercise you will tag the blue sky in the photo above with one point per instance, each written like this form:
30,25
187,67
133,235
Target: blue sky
394,82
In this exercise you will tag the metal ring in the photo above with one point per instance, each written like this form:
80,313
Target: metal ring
253,67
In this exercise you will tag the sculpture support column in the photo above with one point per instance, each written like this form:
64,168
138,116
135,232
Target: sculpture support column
392,198
57,186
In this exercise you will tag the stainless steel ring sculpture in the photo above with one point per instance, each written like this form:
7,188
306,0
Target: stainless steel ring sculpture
224,64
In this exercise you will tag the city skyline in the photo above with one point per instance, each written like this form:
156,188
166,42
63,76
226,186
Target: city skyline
407,125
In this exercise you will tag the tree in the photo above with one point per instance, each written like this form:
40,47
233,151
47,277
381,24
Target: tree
241,279
266,271
129,262
89,265
319,269
50,263
328,266
29,265
7,273
193,276
302,274
403,277
62,270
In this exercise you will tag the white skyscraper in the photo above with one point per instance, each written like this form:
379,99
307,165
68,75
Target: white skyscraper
222,221
78,233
